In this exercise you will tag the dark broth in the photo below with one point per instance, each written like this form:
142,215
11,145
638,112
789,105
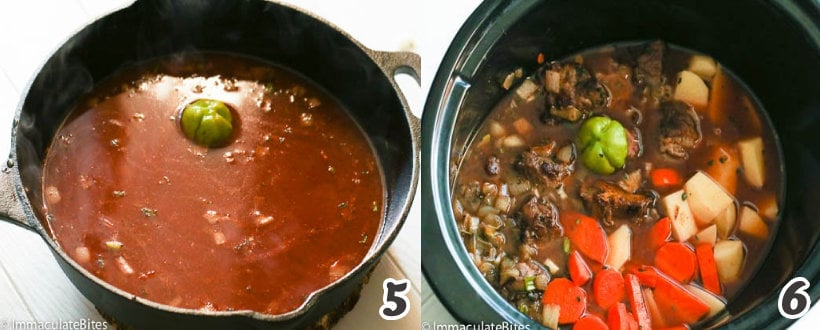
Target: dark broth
290,205
476,190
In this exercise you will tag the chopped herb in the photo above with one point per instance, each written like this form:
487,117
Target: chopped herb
523,308
342,205
148,212
331,169
566,245
578,298
119,193
529,283
364,239
578,221
375,207
710,162
684,196
723,159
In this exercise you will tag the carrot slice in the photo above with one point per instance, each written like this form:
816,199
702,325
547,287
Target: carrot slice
586,235
676,260
589,322
708,268
578,269
665,178
608,288
660,233
677,304
617,317
639,309
570,298
647,275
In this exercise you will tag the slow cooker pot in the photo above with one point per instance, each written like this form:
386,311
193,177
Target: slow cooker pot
773,46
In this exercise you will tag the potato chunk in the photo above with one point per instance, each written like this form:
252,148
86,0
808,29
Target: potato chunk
729,260
703,66
706,198
620,247
752,224
677,209
751,155
691,89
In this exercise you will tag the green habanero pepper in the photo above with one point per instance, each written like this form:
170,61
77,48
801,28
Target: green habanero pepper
207,122
603,144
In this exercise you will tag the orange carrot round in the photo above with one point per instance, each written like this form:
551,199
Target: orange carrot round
608,288
586,235
578,269
590,322
676,260
660,233
571,299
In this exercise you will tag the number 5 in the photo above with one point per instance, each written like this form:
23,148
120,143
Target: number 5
794,302
396,305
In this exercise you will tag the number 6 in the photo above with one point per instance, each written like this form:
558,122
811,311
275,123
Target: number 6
794,293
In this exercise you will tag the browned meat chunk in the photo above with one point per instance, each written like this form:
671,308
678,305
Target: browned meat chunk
679,129
492,166
540,219
649,72
608,201
540,164
572,93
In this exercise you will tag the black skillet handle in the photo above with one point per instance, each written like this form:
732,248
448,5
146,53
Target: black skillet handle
393,63
11,209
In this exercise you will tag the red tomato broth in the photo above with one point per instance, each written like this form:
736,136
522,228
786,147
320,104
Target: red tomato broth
290,205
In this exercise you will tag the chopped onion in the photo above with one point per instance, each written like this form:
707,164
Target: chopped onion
513,141
553,81
496,129
219,238
82,254
527,89
566,153
541,281
553,268
263,220
52,195
125,268
485,210
471,223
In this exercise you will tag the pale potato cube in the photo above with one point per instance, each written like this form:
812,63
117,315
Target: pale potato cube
706,198
715,304
677,209
729,260
751,156
725,221
691,89
751,223
707,235
620,247
768,207
703,66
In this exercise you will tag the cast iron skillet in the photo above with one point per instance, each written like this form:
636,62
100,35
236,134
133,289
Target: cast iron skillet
773,46
362,79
